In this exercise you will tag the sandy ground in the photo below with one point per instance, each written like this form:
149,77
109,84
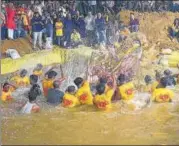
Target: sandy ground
155,26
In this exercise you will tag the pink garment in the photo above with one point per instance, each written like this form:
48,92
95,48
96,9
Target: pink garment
10,23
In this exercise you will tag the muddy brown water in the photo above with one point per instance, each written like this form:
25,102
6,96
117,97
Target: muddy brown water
157,124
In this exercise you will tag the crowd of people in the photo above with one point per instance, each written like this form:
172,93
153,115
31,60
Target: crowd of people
65,25
101,95
68,23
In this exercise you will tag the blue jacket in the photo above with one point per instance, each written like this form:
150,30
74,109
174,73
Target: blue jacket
37,24
100,24
54,96
48,24
68,25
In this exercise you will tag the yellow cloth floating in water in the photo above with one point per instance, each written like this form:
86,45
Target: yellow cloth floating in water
45,57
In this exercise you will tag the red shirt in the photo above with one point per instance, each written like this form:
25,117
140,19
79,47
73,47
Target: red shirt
10,22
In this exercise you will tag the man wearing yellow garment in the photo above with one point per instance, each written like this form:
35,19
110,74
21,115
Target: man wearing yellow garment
21,80
7,90
47,83
75,38
59,31
83,93
69,99
103,80
125,89
162,94
38,70
102,100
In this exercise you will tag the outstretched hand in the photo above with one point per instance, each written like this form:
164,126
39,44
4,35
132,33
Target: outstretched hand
61,79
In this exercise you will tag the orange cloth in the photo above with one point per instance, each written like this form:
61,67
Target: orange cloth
47,84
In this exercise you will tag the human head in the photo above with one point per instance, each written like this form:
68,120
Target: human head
18,16
77,13
51,74
167,72
78,81
34,92
11,5
33,79
56,84
74,8
23,5
39,67
132,15
36,14
71,89
23,73
121,79
99,15
74,30
164,82
37,2
147,79
59,19
69,16
37,90
6,87
100,88
102,80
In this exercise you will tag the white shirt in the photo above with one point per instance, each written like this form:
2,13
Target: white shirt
89,20
27,108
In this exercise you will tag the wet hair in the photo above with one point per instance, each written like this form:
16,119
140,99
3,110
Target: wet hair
36,13
71,89
33,79
56,84
103,80
167,72
100,88
78,81
34,92
121,78
164,82
147,79
51,74
5,85
23,73
39,66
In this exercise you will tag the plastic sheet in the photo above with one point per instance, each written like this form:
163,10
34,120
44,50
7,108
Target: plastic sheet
45,57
